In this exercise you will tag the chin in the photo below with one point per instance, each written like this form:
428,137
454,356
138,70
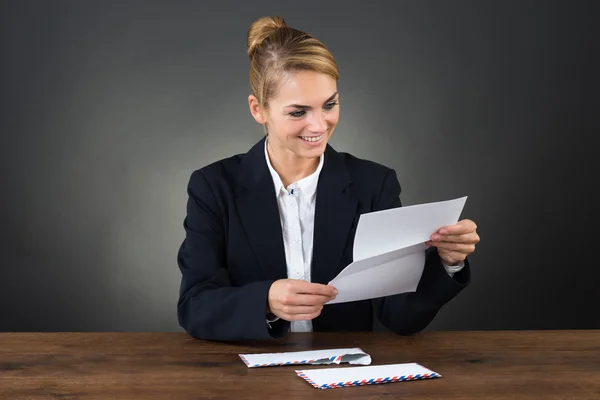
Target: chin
311,152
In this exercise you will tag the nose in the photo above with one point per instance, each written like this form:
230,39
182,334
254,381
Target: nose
318,122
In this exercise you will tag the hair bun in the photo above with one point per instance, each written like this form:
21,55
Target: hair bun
261,29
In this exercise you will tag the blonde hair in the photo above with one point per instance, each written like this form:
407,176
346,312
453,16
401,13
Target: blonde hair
275,48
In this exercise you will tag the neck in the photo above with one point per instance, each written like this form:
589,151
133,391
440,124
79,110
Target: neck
289,166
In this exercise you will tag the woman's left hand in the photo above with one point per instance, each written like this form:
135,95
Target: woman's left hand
455,242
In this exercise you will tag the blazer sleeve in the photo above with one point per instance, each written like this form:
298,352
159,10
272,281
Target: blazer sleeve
409,313
209,307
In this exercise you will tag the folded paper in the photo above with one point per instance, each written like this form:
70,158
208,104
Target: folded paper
329,378
389,250
315,357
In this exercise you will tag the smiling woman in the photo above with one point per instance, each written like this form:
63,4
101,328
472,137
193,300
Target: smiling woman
299,121
266,230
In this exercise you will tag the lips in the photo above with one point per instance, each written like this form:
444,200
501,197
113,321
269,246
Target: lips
311,139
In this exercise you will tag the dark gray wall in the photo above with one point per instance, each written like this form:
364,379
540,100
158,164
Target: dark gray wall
108,106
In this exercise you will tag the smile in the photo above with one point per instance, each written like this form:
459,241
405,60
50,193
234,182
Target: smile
311,139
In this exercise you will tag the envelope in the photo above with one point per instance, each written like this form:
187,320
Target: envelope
314,357
330,378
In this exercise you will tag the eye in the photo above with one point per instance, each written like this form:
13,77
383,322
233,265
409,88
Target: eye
297,114
329,106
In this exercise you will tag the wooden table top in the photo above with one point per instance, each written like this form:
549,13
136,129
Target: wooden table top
474,365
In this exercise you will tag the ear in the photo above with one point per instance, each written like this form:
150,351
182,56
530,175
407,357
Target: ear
256,110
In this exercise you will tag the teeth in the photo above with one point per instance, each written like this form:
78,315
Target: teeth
311,139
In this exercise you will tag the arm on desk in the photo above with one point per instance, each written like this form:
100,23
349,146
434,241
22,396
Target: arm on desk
409,313
209,307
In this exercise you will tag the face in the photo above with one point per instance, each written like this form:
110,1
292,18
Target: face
302,116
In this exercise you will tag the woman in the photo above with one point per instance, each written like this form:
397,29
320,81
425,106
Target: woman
266,230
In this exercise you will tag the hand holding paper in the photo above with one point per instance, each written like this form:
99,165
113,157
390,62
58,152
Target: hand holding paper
297,300
455,242
389,250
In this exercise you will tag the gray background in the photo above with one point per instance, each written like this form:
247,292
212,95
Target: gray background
108,106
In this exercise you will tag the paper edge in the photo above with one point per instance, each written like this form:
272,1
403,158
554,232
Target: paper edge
336,301
403,252
427,204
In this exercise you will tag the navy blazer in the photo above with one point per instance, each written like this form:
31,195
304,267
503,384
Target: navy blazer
233,250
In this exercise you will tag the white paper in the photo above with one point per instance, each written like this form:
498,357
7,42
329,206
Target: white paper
314,357
389,250
328,378
387,230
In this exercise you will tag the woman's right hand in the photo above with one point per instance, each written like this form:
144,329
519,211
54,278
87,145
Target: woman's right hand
298,300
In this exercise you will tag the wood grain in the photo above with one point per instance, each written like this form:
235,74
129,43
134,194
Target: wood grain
475,365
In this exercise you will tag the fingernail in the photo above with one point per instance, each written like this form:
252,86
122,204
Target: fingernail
437,237
335,292
443,231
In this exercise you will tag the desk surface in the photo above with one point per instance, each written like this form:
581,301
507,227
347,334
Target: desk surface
475,365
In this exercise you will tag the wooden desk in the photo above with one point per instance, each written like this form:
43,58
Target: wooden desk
475,365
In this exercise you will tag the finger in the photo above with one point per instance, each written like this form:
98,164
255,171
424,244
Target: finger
316,288
461,227
307,300
470,237
451,257
299,310
455,247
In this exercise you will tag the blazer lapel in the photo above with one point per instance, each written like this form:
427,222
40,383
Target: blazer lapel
259,213
334,214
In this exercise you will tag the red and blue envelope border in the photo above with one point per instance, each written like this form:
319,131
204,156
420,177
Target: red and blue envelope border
335,359
373,381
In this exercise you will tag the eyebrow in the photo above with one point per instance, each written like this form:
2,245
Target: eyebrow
309,107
